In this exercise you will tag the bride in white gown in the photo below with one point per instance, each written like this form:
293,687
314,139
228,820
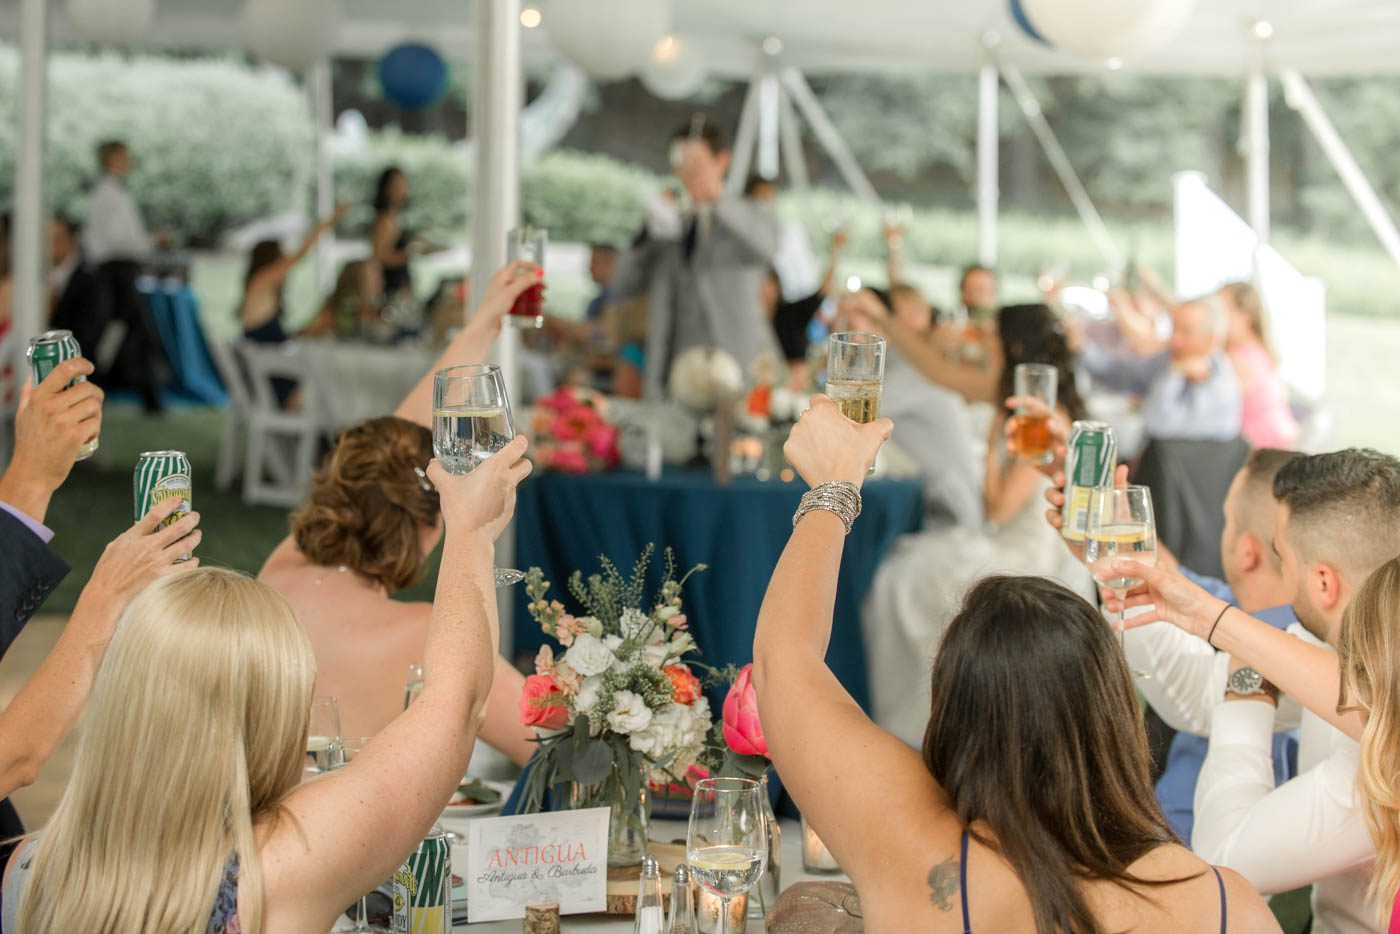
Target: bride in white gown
920,585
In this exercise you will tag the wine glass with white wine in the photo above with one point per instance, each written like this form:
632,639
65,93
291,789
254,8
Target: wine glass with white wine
1120,526
727,844
472,421
323,746
353,746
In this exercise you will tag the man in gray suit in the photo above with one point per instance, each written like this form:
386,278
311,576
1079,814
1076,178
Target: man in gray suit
702,270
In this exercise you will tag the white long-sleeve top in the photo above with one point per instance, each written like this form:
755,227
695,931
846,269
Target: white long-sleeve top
1307,830
114,228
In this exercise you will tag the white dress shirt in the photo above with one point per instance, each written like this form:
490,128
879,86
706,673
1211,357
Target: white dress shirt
1307,831
114,228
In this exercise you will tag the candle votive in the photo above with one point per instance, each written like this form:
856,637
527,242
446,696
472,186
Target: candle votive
707,909
541,919
815,856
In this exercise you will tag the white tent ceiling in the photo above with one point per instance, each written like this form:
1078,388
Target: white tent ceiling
1317,37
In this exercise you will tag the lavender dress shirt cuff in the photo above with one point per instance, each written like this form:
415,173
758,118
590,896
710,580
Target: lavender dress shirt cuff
38,528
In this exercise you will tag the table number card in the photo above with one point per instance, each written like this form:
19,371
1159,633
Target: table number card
535,859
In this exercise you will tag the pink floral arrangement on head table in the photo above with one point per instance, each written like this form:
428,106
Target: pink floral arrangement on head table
572,434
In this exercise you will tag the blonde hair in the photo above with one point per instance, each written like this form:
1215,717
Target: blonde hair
195,728
1369,647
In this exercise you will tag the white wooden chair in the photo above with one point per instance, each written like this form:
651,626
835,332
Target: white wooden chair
232,372
281,451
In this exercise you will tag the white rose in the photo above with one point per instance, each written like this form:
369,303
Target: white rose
629,714
587,697
612,642
592,625
589,656
676,728
655,656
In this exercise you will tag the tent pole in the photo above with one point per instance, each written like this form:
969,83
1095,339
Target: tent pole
769,98
827,135
318,82
27,240
1030,107
988,187
1256,117
1301,98
793,162
745,140
497,91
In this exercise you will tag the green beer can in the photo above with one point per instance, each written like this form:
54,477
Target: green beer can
423,887
47,351
1090,460
160,475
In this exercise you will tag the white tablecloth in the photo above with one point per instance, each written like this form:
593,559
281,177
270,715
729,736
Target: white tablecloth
352,381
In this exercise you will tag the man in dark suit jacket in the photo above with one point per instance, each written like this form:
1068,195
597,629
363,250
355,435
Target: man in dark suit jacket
77,301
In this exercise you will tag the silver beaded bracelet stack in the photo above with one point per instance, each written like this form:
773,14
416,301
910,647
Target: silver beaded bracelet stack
836,496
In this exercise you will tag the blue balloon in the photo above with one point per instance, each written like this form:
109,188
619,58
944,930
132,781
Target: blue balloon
1018,13
413,76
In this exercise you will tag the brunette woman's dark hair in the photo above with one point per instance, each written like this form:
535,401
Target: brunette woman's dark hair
1035,334
1035,734
381,188
264,254
367,503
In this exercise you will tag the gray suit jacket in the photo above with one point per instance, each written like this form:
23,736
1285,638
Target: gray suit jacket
721,279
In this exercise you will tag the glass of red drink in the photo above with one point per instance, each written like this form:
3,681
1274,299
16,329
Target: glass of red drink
528,243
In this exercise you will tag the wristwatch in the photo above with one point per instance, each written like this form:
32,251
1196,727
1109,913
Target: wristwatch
1246,682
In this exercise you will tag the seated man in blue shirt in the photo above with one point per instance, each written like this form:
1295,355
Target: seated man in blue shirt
1189,391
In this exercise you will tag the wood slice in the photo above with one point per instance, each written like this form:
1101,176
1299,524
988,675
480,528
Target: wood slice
623,881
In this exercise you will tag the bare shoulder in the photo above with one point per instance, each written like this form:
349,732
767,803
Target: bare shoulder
1248,912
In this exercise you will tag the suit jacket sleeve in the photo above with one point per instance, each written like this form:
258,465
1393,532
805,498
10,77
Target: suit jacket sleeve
29,572
753,223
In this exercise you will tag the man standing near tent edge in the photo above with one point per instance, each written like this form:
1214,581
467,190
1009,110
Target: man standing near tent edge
701,270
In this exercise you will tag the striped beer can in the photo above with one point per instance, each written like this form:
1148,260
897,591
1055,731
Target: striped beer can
47,351
423,888
160,475
1089,463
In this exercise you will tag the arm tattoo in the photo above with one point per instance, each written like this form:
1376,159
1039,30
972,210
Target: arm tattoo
943,884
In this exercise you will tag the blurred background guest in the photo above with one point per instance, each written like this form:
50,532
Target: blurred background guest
393,246
1189,391
978,294
1267,420
702,269
261,311
76,300
602,263
355,298
794,262
792,319
1000,532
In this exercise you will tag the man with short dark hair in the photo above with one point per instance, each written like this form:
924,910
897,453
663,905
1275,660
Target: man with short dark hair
702,270
1338,520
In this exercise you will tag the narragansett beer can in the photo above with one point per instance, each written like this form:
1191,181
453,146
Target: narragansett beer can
423,887
1090,460
47,351
160,475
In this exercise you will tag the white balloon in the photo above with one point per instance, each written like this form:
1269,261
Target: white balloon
676,69
291,34
116,21
609,39
1104,29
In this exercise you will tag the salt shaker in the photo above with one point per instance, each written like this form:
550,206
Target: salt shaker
651,918
682,920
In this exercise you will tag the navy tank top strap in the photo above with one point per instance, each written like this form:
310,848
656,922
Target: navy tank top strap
1219,881
962,884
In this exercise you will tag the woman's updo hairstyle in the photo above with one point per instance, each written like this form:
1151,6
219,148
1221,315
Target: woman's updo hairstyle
367,503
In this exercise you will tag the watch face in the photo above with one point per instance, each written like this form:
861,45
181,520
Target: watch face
1246,681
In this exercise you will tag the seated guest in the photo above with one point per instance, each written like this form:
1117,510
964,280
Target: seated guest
701,272
791,319
185,804
998,532
602,261
1030,807
260,311
1267,420
76,300
355,298
1338,520
365,532
1190,390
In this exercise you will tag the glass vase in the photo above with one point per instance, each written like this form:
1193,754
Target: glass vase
628,829
765,893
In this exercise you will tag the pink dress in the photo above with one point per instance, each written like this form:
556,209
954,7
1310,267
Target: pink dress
1395,917
1267,421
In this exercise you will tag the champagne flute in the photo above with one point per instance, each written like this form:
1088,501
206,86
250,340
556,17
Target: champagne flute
855,375
353,746
1031,433
1120,526
323,746
727,843
528,243
472,421
414,685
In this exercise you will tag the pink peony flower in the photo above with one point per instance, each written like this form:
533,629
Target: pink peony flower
538,705
567,628
742,731
570,458
685,687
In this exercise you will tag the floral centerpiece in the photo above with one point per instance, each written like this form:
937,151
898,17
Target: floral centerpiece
619,708
572,433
